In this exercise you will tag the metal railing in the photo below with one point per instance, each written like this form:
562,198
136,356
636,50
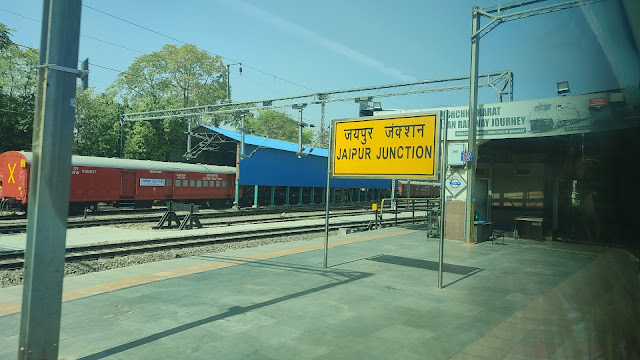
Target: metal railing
395,204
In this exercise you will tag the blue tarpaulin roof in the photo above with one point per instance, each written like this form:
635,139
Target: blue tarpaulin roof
275,163
267,142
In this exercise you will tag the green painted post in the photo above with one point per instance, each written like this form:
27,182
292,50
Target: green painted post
313,191
300,189
255,196
286,200
273,196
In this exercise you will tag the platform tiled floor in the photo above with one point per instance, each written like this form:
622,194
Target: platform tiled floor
377,300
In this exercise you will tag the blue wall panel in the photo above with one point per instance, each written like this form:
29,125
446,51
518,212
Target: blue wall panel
283,168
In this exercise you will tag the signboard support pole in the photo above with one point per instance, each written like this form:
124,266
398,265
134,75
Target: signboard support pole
444,123
327,202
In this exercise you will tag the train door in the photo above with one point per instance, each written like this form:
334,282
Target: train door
169,185
230,187
128,184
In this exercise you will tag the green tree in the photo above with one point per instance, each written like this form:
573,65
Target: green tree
18,67
175,77
276,125
185,76
5,39
16,121
97,126
18,77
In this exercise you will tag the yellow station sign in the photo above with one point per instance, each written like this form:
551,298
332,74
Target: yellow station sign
392,147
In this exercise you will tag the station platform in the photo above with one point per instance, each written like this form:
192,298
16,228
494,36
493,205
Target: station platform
102,234
378,299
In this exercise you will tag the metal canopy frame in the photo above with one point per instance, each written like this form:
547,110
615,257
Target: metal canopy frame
497,14
504,12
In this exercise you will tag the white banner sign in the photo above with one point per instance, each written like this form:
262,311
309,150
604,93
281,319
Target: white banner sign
152,182
543,117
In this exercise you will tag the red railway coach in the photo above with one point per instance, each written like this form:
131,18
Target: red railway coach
123,181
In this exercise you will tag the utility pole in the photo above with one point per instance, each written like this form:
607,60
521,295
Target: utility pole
50,180
473,119
323,133
228,79
301,125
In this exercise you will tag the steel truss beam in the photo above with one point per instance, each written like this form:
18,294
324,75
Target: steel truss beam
501,81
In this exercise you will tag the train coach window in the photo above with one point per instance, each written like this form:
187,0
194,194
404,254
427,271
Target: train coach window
217,183
205,183
224,184
199,183
178,183
192,183
168,182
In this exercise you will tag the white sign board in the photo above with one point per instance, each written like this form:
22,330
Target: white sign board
152,182
542,117
455,183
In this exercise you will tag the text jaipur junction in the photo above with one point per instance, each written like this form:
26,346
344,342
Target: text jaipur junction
385,152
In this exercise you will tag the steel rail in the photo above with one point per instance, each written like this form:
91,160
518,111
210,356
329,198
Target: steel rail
15,259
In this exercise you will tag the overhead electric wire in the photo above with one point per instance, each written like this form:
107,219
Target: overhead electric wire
182,42
164,35
174,39
83,35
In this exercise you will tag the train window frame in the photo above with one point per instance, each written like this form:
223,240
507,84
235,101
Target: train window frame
178,183
224,184
169,182
205,183
199,183
192,183
218,183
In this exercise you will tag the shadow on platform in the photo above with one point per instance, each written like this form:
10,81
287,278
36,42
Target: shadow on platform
466,271
335,278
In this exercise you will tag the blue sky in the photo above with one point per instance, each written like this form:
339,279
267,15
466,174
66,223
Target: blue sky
329,45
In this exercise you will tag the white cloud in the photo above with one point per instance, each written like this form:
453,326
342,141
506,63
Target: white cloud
333,46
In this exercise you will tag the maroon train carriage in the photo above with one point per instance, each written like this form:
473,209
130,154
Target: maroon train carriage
418,189
122,182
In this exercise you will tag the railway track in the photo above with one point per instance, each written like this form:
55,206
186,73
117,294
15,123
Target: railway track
220,218
15,259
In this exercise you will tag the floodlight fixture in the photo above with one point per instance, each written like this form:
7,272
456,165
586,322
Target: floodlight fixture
563,88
